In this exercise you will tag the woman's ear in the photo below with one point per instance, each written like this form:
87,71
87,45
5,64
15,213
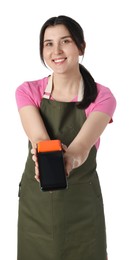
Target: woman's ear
83,46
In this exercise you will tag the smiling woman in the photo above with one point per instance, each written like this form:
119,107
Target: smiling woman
70,106
60,51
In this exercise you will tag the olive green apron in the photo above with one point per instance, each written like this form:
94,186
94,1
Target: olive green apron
67,224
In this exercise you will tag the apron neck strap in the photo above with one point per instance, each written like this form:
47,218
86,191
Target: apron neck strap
48,89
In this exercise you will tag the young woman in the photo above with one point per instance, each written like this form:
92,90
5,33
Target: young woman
67,105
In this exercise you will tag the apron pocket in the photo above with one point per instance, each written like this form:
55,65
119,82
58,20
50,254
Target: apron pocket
79,214
35,210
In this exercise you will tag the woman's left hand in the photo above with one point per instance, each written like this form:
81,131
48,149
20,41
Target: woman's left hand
73,160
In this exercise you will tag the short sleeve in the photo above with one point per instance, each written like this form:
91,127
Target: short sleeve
105,102
30,93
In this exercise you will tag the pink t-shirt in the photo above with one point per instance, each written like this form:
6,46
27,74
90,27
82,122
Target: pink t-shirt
31,93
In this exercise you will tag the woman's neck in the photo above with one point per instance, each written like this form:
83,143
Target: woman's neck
65,88
67,84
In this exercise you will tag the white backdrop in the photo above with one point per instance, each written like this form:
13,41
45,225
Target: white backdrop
107,30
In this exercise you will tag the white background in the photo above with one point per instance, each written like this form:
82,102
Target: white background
107,27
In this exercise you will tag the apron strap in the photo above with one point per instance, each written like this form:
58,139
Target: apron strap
48,89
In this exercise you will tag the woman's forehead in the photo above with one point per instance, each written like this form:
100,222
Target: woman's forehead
56,31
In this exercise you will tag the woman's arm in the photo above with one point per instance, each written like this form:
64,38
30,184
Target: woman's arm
33,124
80,147
77,152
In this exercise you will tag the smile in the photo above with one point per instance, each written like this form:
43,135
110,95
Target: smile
59,60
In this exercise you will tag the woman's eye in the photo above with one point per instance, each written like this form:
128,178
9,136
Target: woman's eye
65,41
47,44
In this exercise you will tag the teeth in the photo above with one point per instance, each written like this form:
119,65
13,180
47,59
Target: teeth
60,60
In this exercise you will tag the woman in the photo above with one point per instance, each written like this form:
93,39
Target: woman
67,105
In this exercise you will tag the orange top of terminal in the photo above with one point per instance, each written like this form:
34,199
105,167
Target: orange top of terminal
49,146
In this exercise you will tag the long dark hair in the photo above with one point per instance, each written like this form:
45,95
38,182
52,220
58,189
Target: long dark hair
90,88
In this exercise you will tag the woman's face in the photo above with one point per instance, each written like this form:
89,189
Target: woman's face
60,52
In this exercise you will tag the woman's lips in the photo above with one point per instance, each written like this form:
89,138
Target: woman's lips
59,60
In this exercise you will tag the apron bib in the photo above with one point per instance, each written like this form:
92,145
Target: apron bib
67,224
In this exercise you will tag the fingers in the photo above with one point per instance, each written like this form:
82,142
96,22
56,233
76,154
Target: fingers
68,169
37,173
33,151
64,147
68,164
34,158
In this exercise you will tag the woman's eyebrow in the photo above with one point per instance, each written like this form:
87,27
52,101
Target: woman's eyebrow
48,40
63,37
67,36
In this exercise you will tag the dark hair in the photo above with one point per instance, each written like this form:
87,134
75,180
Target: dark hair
90,88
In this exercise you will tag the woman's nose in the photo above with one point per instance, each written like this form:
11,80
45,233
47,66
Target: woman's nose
57,49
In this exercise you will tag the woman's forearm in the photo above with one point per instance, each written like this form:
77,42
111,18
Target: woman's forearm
33,124
79,149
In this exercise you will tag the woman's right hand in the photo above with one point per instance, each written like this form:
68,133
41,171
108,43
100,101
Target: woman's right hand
34,158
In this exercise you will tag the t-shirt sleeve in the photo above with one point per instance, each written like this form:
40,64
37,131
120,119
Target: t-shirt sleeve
30,93
105,102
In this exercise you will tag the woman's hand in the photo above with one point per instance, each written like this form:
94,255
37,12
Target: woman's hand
34,158
74,159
